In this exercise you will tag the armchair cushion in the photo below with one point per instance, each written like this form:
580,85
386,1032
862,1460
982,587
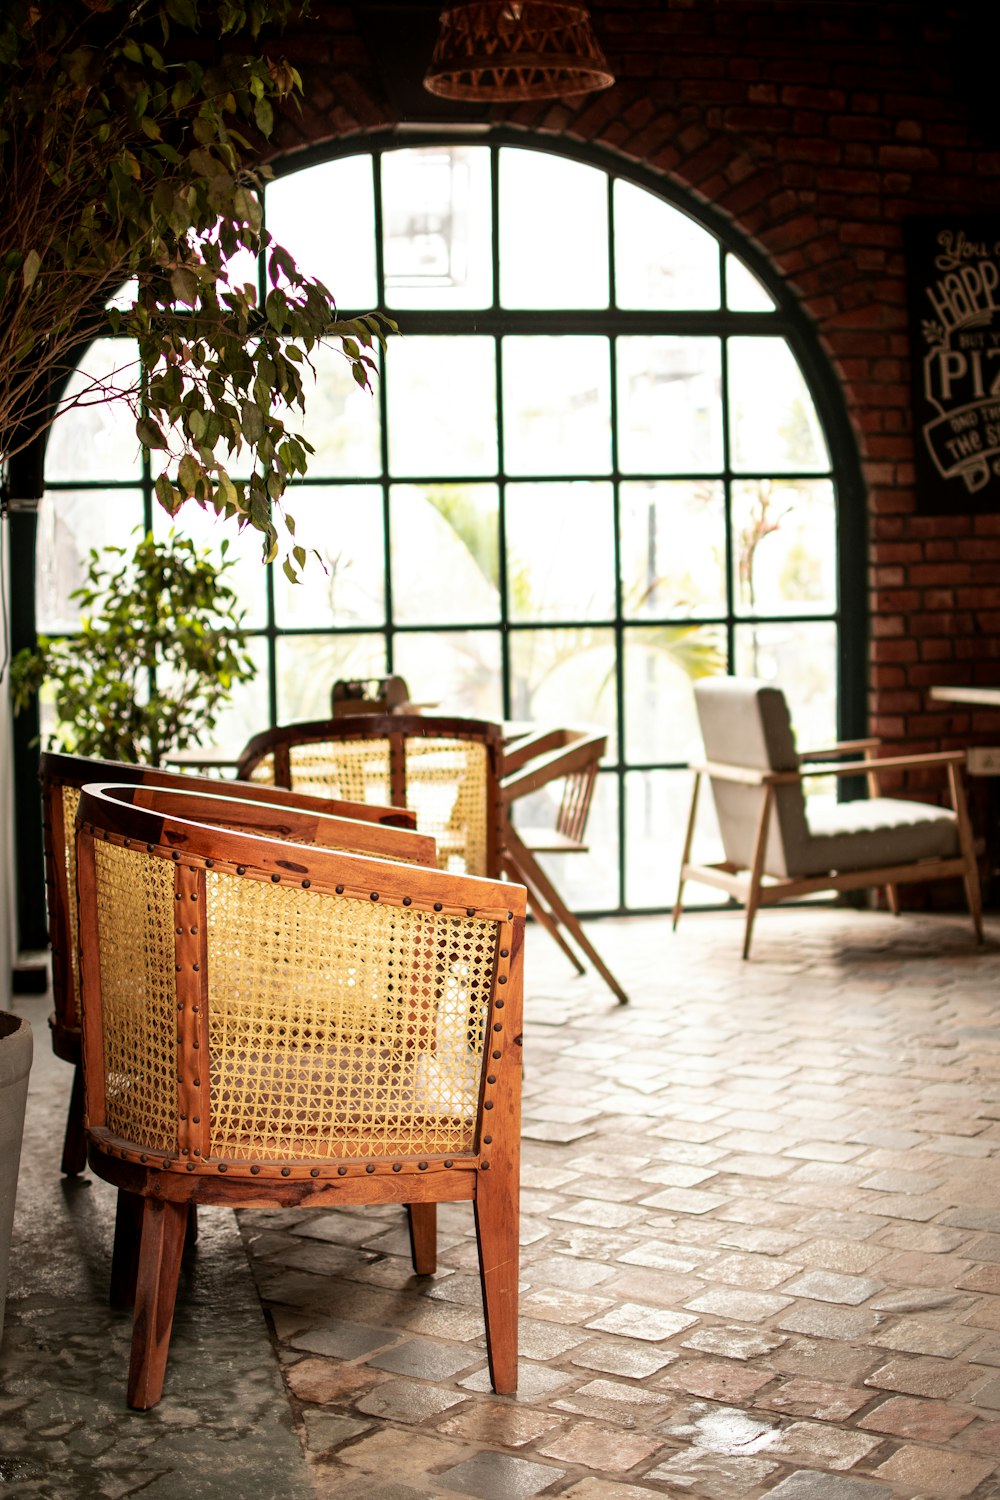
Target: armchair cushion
875,834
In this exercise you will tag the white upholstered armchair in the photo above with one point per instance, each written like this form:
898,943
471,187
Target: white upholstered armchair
778,845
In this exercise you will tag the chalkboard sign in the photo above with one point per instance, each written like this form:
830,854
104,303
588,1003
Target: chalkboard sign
953,280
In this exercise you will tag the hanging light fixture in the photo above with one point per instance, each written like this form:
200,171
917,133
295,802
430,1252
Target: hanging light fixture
504,51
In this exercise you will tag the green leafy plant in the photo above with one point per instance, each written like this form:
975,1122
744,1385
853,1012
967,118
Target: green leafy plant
130,136
159,650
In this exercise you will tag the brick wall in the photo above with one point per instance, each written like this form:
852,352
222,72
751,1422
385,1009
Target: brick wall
816,128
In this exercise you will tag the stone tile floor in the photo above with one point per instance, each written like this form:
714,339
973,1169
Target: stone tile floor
761,1256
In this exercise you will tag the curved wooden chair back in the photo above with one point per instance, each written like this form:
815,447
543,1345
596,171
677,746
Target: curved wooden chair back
371,829
267,1022
446,771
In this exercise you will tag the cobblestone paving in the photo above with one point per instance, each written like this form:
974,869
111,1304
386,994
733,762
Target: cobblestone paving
761,1253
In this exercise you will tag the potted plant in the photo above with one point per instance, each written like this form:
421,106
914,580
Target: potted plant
159,650
15,1063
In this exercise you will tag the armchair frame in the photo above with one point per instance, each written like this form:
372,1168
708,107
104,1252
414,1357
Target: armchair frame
245,1164
754,889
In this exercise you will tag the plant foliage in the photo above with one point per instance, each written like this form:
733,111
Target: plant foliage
129,136
159,650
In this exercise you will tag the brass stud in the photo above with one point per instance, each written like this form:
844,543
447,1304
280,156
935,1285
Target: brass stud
196,1119
505,953
341,1171
241,869
370,1167
223,1167
470,911
449,1163
498,1005
437,906
397,1166
422,1165
491,1078
194,931
190,1166
314,1171
340,890
497,1026
306,884
286,1171
174,855
197,968
374,896
496,1056
193,896
255,1170
487,1140
484,1166
275,879
488,1104
407,900
197,1083
149,850
502,979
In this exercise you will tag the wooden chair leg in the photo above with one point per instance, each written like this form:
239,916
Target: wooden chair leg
423,1237
529,866
970,877
892,899
163,1229
74,1156
191,1232
757,868
685,857
538,910
125,1255
496,1211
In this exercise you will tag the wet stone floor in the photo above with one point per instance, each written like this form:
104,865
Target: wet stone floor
761,1256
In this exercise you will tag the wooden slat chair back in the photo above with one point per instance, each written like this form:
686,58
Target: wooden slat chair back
535,760
371,829
445,770
320,1029
778,846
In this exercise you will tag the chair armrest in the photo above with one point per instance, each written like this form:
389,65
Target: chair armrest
887,763
743,775
841,747
549,761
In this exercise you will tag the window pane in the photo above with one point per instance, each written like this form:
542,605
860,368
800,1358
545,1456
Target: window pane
441,395
97,440
70,522
445,564
564,677
657,804
673,548
801,659
309,665
744,292
247,575
560,552
454,671
436,206
341,420
784,546
589,881
661,666
553,232
669,410
345,585
557,405
325,218
663,259
246,714
773,422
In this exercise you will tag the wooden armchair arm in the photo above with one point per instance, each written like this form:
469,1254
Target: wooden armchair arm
748,776
840,747
549,756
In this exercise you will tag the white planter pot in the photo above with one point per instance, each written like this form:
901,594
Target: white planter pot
15,1064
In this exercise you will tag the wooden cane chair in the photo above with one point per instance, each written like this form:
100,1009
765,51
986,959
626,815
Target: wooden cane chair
779,847
317,1029
546,758
369,695
371,829
445,770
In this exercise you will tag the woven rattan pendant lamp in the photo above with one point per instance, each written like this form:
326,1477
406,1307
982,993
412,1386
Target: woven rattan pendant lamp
505,51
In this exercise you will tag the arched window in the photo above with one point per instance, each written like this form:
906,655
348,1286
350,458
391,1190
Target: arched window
602,460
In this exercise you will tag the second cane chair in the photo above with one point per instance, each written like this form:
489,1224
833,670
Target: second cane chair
372,830
268,1022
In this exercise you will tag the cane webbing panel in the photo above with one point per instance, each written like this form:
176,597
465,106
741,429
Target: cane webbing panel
446,787
71,801
342,1028
135,913
353,770
263,772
